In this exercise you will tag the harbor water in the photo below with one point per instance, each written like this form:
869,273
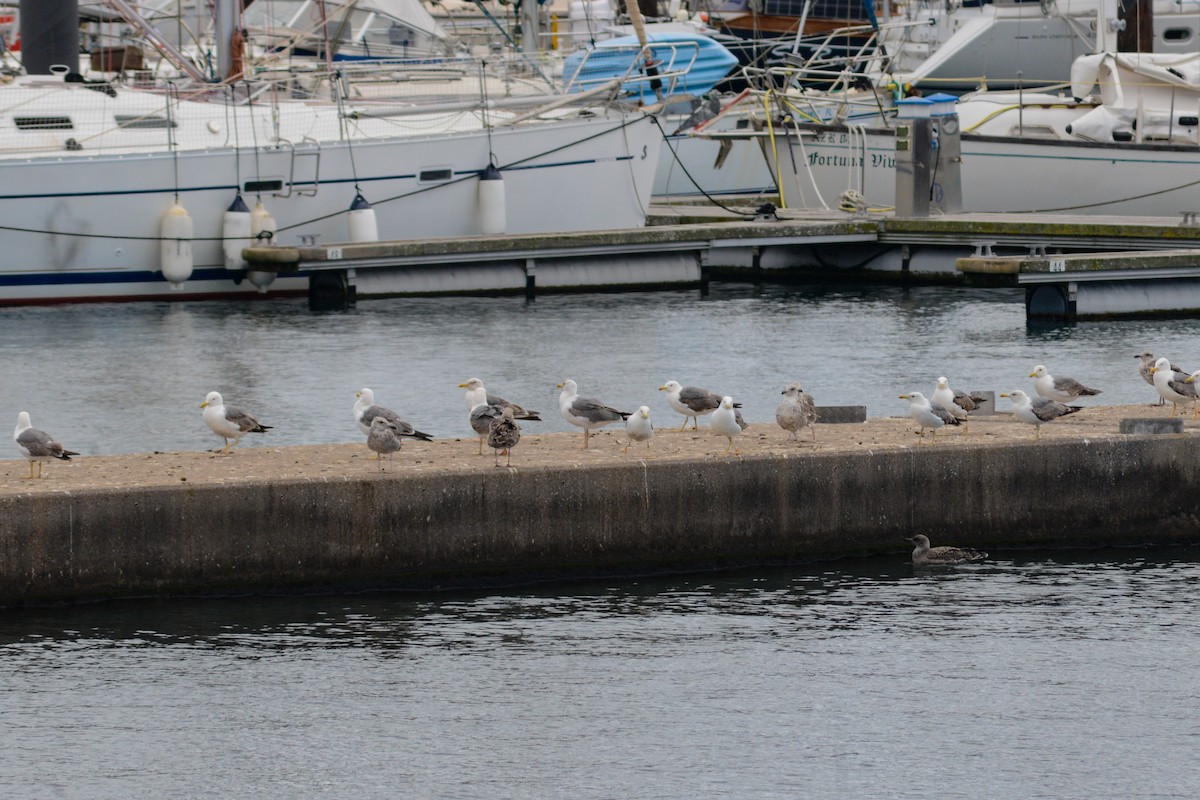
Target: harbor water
115,378
1058,675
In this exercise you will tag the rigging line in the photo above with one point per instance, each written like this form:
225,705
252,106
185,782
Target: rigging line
677,160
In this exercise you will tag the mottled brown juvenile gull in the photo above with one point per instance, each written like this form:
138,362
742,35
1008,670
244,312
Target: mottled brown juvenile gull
481,419
796,411
925,556
1061,389
504,435
1172,385
1037,410
691,401
37,446
382,439
927,415
586,412
229,422
725,423
477,395
638,428
365,411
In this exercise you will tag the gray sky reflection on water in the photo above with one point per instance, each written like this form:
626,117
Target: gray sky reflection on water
128,378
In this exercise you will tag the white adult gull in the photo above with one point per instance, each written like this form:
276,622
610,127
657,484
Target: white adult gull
925,556
1063,390
586,412
37,446
1037,410
960,404
796,411
1146,370
927,415
1172,385
725,423
691,401
365,411
229,422
638,428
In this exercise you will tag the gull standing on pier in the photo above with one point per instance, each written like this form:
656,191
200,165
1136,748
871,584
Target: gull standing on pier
796,411
1061,389
504,435
586,412
960,404
725,423
365,412
37,446
925,556
1037,410
638,428
229,422
691,401
382,439
1174,386
485,408
927,415
1146,370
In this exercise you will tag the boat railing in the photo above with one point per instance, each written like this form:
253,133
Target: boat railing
637,66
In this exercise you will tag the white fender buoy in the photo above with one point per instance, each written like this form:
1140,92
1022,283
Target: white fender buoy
363,225
261,223
176,246
235,233
493,216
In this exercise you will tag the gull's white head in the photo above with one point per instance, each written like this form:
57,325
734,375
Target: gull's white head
1162,363
726,402
914,397
366,395
644,412
472,384
1038,372
568,386
23,421
1192,378
670,386
213,399
1018,397
943,383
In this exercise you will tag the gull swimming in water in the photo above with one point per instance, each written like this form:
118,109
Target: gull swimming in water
365,412
927,415
1061,389
924,555
1174,386
229,422
37,446
796,411
504,435
1037,410
638,428
691,401
586,412
382,439
725,423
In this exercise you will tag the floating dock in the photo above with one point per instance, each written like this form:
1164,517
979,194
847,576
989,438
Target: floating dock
688,245
325,518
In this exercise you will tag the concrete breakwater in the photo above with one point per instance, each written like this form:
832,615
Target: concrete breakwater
573,514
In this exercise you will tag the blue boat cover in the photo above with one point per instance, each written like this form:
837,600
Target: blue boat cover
612,58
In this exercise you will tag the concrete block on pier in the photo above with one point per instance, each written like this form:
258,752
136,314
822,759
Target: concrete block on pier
838,415
986,408
1147,425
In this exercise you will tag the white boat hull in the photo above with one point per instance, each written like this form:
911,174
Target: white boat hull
1000,174
84,227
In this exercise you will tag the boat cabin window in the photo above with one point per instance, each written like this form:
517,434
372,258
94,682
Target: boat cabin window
435,175
43,123
1177,34
144,121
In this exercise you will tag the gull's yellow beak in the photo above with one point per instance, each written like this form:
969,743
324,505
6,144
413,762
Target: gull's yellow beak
462,386
558,386
663,389
905,397
1033,374
204,404
1189,379
1005,394
1155,369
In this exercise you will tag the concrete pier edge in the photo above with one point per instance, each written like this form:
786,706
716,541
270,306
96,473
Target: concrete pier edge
448,530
